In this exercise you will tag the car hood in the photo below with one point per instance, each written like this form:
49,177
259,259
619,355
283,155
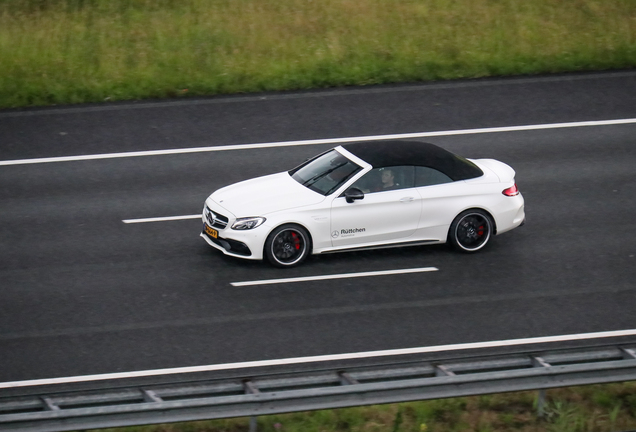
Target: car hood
263,195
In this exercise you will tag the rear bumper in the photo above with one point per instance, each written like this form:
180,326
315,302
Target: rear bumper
510,214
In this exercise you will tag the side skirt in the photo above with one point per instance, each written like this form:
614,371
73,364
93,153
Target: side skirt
384,246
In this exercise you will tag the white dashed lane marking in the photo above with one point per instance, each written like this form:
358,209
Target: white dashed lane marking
161,219
334,276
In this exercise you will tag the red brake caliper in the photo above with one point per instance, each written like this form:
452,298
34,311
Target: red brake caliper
480,231
296,240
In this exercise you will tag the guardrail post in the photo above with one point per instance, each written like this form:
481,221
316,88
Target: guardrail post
441,370
49,405
346,379
628,354
541,403
250,388
539,362
253,424
150,396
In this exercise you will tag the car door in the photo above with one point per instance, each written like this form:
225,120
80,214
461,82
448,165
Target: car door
384,215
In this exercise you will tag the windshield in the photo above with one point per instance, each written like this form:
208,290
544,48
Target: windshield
325,173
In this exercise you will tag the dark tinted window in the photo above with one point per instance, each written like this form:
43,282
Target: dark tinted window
425,176
386,178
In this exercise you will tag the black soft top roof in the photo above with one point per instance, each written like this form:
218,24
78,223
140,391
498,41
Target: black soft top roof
405,153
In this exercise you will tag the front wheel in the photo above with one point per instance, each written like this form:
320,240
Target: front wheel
471,230
287,246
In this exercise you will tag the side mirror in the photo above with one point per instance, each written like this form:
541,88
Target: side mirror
353,194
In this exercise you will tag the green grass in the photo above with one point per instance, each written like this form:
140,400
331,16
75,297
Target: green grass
74,51
598,408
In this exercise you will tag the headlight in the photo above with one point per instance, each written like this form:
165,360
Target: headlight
247,223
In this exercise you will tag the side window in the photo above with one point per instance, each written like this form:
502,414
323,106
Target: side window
425,176
386,178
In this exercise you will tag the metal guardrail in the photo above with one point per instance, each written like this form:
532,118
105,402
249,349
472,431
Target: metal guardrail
51,411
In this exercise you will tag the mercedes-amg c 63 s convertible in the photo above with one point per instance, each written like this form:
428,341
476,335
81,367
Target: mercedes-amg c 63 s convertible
364,196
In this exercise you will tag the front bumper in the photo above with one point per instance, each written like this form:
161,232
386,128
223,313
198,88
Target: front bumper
232,247
246,244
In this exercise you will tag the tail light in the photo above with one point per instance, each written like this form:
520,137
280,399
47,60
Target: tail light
511,191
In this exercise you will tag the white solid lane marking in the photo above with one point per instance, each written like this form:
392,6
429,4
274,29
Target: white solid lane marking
316,141
161,219
334,276
321,358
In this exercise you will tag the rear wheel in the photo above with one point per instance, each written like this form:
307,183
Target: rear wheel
287,246
471,230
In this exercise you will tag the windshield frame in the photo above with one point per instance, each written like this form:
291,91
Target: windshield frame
314,173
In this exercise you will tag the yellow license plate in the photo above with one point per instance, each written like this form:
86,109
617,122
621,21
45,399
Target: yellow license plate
211,232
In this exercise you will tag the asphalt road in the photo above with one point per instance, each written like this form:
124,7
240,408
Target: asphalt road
83,293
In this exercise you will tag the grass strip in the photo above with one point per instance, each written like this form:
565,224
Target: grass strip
76,51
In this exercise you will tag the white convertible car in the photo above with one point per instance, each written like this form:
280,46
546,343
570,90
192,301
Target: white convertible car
364,196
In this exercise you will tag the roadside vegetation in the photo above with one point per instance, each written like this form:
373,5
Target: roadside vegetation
598,408
75,51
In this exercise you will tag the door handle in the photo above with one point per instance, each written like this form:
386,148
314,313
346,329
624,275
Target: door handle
406,199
